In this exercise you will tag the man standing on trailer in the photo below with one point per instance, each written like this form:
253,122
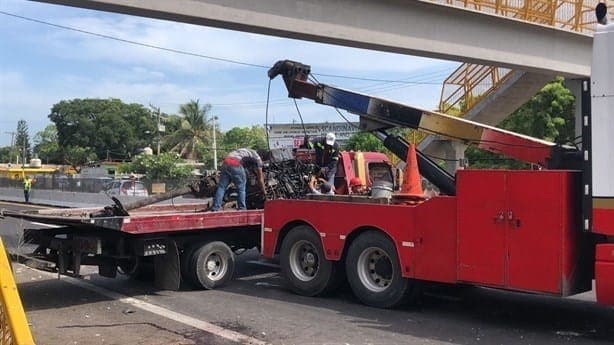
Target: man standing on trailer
327,155
233,169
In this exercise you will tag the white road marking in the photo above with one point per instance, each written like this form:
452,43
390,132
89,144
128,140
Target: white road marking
160,311
47,225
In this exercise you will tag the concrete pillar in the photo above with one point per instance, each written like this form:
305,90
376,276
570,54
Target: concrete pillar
452,152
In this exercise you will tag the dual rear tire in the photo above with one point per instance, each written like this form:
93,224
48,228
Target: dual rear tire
372,268
209,265
304,265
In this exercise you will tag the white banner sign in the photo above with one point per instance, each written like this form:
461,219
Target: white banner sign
290,135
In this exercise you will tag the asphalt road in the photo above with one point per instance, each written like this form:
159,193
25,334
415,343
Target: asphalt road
257,305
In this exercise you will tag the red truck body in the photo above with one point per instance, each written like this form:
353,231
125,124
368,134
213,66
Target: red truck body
500,230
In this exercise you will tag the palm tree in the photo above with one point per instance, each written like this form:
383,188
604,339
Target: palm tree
195,129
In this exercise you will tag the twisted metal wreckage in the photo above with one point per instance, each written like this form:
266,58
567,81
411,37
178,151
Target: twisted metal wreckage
286,176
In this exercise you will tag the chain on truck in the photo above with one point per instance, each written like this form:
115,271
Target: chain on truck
548,231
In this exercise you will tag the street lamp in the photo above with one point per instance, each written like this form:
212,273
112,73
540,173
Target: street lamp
214,146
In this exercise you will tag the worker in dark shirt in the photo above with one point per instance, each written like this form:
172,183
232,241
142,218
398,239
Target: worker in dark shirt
327,155
233,169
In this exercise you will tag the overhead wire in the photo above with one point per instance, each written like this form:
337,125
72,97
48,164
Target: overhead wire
300,116
183,52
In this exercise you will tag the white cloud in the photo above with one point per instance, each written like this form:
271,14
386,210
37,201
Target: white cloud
77,65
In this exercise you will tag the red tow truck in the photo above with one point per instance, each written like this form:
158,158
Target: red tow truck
548,231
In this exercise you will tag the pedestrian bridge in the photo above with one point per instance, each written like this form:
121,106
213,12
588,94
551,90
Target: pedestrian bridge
509,48
436,29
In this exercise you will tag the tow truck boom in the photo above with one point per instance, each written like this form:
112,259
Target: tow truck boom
377,112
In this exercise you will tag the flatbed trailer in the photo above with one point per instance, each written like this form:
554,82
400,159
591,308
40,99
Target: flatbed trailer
175,242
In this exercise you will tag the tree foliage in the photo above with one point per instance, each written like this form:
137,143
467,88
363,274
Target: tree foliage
46,145
252,137
9,154
548,115
106,127
164,166
364,141
22,141
195,130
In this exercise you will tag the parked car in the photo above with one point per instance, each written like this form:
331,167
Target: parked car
125,188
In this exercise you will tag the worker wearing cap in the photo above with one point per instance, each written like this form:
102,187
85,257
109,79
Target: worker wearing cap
327,155
356,187
233,169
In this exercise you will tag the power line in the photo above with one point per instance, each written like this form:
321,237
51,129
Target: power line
172,50
183,52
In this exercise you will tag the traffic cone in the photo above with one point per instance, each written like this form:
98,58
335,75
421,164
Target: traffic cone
411,189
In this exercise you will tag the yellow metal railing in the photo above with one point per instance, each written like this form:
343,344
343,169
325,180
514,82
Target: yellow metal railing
575,15
467,85
14,329
470,83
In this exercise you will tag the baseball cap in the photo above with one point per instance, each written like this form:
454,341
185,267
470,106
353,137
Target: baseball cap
355,181
330,138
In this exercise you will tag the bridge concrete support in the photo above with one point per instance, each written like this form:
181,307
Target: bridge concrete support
451,152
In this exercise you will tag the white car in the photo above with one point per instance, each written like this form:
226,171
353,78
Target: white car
125,188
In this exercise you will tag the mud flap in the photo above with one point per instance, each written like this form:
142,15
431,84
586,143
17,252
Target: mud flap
166,268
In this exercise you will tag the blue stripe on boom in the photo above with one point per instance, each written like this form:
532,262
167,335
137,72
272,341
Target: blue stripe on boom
349,101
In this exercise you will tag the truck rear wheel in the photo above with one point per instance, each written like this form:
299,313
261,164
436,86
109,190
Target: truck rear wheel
303,264
374,272
212,265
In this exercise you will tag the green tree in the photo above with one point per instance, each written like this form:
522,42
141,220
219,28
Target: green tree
77,156
195,130
46,145
22,141
108,127
548,115
8,154
163,167
253,137
364,141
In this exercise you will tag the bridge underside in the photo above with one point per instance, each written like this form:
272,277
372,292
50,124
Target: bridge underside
410,27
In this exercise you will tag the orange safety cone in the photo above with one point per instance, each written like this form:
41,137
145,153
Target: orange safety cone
411,190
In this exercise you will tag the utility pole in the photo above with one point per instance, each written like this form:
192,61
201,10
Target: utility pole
214,145
12,146
12,137
160,128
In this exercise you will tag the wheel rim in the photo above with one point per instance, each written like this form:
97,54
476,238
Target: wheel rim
304,260
375,269
215,266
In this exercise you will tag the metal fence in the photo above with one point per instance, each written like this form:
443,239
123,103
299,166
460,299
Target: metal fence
88,185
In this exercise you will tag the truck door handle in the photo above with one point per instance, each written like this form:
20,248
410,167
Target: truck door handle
513,222
499,217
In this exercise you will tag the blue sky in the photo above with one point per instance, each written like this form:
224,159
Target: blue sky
41,65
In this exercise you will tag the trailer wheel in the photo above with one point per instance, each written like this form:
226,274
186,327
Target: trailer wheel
212,265
374,272
303,264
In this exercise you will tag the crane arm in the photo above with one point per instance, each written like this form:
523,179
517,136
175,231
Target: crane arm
393,114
